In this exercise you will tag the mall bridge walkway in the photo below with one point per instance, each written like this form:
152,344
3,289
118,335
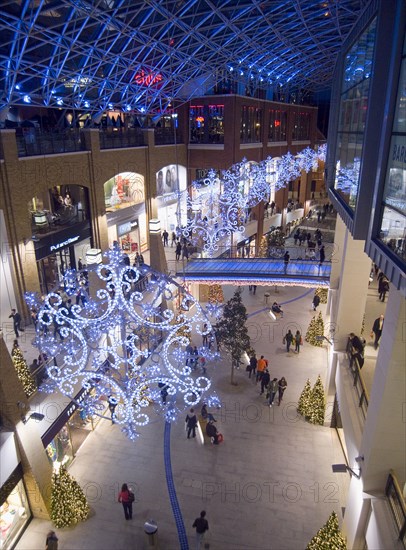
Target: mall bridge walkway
260,271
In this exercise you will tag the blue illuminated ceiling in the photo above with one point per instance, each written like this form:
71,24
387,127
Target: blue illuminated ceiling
142,55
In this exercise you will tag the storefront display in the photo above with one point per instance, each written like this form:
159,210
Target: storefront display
14,509
128,227
171,197
58,252
124,190
63,439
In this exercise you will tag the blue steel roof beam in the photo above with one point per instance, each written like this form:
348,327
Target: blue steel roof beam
11,77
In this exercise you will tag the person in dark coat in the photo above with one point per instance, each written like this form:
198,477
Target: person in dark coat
201,525
377,330
212,432
191,423
16,322
316,302
266,378
51,542
357,350
288,339
178,251
286,259
383,287
253,366
322,255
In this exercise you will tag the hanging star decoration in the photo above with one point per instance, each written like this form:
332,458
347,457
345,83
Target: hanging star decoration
214,213
118,336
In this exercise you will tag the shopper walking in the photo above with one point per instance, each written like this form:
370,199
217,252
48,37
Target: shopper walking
165,236
191,423
266,378
315,302
173,238
201,525
282,385
51,542
322,256
272,389
288,339
261,366
298,341
16,322
126,497
178,251
253,366
286,259
377,330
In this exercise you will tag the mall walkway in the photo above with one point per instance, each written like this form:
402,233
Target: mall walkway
268,486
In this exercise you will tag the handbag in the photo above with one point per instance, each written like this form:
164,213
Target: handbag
131,496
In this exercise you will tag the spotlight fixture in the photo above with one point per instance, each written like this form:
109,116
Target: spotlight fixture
343,468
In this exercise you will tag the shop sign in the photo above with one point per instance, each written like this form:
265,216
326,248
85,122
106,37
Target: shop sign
125,228
63,243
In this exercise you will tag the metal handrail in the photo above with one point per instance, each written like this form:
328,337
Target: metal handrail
359,383
397,504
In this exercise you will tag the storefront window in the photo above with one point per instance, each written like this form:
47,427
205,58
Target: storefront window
353,111
206,123
277,125
60,207
125,189
171,185
393,224
60,451
251,124
301,126
14,514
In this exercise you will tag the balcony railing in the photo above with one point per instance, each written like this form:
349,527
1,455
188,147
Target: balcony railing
119,138
166,136
358,381
34,142
397,505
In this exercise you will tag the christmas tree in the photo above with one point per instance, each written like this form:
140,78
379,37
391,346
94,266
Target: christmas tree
315,331
329,537
321,292
232,332
215,294
363,326
23,372
304,400
263,248
68,502
317,405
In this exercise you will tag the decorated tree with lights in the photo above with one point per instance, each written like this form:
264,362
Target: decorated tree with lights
232,332
23,372
304,400
329,537
321,292
215,294
317,403
68,502
315,331
263,247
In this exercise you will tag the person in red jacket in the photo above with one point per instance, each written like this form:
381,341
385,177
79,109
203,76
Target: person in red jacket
126,497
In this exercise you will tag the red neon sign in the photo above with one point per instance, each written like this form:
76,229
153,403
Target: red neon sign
144,78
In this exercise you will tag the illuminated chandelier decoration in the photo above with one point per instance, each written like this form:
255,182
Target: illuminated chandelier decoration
219,207
123,341
347,178
214,214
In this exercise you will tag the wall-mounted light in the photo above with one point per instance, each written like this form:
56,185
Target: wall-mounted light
154,226
343,468
40,219
94,256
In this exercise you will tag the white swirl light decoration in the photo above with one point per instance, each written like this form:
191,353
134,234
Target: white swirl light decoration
347,178
249,180
213,214
123,341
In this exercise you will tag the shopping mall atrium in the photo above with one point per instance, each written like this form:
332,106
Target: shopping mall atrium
187,184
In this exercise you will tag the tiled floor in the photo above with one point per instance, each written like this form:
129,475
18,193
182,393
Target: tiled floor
268,486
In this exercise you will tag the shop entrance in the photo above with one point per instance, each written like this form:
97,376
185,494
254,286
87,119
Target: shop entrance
52,268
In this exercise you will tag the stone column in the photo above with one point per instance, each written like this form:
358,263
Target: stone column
15,405
352,292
